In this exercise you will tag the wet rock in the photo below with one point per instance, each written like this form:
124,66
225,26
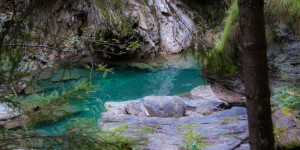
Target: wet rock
164,106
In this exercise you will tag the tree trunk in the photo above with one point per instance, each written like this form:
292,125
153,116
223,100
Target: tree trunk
252,24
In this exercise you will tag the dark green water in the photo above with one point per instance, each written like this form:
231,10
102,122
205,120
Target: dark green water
124,84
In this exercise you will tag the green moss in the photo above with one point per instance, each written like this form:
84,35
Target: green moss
228,120
194,141
226,136
230,29
219,59
187,127
120,129
281,139
147,130
281,11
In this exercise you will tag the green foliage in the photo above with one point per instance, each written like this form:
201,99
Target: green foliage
121,129
41,108
194,141
228,120
284,11
14,36
82,135
287,97
119,35
219,59
87,136
218,62
187,127
147,130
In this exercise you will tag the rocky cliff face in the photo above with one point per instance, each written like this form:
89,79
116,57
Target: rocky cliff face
284,53
160,26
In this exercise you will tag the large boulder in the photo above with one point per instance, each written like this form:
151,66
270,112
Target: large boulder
133,107
164,106
204,101
209,106
204,92
136,108
7,112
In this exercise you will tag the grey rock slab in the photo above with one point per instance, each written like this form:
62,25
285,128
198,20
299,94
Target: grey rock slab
191,113
234,111
209,106
219,147
118,108
220,129
164,106
136,108
161,141
7,112
204,92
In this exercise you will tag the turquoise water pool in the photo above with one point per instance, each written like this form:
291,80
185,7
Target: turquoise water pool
121,85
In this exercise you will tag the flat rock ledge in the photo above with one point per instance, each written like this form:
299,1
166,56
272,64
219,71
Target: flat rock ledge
172,122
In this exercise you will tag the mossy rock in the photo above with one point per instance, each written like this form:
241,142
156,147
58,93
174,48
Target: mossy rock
286,129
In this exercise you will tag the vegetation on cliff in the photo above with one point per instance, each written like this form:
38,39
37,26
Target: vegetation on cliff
277,12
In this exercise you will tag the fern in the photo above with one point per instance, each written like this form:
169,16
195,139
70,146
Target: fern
40,108
82,135
287,97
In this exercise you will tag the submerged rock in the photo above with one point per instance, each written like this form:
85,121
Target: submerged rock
66,110
66,74
11,119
